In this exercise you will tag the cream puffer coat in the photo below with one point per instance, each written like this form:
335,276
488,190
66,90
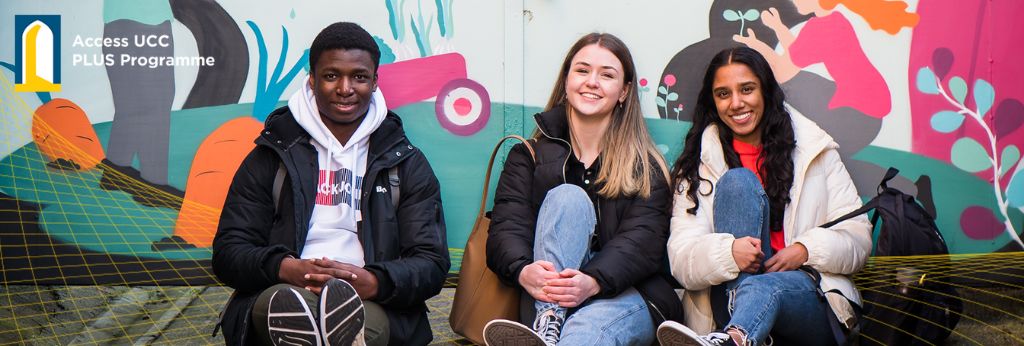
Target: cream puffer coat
822,191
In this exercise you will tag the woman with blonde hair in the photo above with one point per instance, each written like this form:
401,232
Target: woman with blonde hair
581,227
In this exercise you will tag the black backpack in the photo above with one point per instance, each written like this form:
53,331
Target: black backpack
907,300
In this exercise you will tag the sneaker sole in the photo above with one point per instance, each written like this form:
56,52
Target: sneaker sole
290,320
508,333
671,335
342,315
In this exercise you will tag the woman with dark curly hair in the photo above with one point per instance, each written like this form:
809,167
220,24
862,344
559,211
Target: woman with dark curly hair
751,187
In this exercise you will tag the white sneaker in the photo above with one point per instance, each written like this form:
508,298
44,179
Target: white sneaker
671,333
511,333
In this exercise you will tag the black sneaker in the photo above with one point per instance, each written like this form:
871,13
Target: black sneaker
510,333
290,320
341,314
671,333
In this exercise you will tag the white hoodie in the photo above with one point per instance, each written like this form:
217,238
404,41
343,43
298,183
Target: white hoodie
332,228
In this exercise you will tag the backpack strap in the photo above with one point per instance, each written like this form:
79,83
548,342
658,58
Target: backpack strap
842,336
889,175
278,185
396,192
872,204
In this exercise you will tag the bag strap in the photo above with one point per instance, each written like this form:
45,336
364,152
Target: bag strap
490,165
396,184
278,185
872,204
838,333
891,173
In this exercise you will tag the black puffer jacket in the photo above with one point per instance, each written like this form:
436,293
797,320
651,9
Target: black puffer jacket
631,233
407,249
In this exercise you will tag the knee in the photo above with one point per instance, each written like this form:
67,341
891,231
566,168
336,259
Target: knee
377,328
567,194
754,283
739,183
568,199
270,291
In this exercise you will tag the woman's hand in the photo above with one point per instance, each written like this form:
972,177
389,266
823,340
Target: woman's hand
789,258
535,276
747,253
572,289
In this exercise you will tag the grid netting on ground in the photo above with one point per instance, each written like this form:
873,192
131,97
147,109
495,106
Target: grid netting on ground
80,262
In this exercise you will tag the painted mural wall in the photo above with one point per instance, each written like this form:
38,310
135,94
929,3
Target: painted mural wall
116,171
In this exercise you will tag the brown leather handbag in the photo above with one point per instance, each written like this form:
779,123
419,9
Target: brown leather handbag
480,297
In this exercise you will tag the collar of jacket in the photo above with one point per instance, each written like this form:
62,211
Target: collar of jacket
553,123
388,143
811,141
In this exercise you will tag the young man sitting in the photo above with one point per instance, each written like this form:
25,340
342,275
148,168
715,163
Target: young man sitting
312,237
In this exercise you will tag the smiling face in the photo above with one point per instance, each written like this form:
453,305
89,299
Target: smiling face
343,83
738,97
595,83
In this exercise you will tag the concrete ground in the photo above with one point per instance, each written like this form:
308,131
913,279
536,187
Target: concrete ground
77,315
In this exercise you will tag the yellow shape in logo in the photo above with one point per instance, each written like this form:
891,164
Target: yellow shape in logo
37,69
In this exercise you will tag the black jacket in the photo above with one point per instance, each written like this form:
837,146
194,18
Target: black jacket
406,250
631,234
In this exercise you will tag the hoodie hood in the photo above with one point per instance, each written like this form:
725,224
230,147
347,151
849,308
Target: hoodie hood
304,109
333,226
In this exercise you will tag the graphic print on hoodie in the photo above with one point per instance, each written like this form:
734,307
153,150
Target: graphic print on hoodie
337,187
333,231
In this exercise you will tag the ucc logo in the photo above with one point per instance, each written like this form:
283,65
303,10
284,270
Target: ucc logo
37,53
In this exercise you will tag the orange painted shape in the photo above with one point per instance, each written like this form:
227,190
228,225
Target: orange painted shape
213,168
61,130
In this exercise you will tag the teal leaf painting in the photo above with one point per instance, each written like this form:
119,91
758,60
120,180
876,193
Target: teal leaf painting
958,87
731,15
751,15
967,154
1010,156
926,81
1015,190
947,121
984,96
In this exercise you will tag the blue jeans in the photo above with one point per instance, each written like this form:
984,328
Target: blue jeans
565,226
786,304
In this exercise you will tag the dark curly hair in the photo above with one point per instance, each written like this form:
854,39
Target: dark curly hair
343,35
777,138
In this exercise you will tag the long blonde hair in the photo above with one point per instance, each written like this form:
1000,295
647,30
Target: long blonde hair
626,148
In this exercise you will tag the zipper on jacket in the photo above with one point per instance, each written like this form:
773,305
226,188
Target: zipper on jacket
565,163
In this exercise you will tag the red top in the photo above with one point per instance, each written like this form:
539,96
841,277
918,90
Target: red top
748,157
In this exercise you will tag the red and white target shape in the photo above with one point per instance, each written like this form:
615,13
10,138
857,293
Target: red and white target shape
463,107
